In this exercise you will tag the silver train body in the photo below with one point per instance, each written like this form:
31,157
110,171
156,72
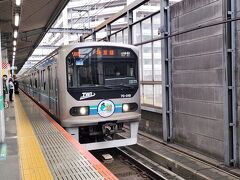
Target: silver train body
92,90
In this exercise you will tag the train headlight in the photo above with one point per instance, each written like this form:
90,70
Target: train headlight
125,107
79,111
83,111
129,107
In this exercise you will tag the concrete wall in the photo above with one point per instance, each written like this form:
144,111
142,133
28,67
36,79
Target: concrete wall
151,123
197,73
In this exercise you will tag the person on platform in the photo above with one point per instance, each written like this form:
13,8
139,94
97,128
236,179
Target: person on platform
5,89
16,85
11,88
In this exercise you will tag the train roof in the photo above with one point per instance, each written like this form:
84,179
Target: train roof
48,58
83,44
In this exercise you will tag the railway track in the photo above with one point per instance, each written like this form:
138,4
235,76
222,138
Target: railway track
128,164
179,161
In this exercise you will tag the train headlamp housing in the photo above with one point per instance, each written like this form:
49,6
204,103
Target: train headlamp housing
79,111
129,107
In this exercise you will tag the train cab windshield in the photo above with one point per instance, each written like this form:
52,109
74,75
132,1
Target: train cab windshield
103,67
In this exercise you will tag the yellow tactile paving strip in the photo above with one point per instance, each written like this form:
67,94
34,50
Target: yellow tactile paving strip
32,162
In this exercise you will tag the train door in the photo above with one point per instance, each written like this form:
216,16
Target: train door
35,86
54,97
30,86
44,96
56,88
51,90
39,85
49,87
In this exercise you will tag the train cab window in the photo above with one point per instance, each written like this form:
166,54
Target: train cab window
70,80
101,67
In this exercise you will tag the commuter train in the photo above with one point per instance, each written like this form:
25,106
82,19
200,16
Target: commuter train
91,89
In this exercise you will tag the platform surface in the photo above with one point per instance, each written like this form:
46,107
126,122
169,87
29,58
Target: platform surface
9,159
42,149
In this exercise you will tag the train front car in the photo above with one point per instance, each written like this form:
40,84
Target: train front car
101,93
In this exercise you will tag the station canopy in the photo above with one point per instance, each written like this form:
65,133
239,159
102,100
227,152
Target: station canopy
36,17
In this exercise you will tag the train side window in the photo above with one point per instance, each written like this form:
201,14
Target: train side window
43,79
50,78
35,83
38,77
44,86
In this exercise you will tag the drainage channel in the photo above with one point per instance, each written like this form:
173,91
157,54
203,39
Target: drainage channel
128,164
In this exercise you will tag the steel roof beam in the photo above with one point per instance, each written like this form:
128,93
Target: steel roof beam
31,32
47,47
118,15
33,60
38,56
70,30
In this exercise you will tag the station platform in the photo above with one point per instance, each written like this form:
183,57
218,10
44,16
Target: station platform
36,147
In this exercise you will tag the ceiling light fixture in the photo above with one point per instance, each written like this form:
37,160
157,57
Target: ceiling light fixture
18,2
14,53
15,33
14,42
14,48
17,18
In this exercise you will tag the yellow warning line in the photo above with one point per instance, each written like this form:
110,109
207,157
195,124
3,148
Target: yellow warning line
32,162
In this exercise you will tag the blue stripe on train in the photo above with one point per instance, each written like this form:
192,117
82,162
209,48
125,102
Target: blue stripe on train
93,109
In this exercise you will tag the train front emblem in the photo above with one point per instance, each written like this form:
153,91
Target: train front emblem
106,108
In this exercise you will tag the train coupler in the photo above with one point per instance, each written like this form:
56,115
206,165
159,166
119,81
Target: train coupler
109,129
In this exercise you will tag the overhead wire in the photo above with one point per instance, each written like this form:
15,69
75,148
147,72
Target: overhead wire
86,5
99,10
82,7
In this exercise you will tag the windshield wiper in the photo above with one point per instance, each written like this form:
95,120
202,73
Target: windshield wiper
108,87
128,86
119,86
